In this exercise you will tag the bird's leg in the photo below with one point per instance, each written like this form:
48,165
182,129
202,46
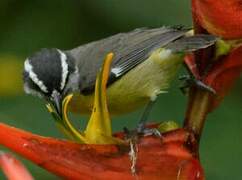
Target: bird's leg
133,136
141,129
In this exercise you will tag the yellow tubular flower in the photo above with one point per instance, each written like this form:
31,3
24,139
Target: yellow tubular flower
98,130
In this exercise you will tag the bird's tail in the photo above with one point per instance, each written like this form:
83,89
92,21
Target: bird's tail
192,43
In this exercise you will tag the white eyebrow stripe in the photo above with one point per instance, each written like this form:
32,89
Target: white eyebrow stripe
29,69
64,66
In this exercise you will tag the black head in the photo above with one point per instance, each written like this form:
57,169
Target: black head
47,73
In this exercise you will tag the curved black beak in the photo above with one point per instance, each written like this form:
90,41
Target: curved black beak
56,101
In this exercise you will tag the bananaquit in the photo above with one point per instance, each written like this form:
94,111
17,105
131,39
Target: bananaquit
145,61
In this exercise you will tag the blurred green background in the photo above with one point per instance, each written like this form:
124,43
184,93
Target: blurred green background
28,25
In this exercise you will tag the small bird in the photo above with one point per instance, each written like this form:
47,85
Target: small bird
145,61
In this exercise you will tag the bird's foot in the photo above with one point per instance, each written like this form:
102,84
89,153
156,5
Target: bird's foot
132,137
189,81
150,132
135,134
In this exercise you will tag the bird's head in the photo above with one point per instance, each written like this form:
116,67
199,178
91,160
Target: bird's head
51,75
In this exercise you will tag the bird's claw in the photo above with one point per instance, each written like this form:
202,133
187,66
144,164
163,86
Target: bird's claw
189,81
134,135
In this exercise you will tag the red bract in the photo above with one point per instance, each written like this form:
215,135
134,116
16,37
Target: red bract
223,74
166,158
219,17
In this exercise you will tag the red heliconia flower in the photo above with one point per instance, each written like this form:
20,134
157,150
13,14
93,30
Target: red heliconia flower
167,158
218,66
222,18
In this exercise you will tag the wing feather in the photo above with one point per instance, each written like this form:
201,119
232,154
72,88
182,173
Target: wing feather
130,49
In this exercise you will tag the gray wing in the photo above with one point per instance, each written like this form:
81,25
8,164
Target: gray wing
130,49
